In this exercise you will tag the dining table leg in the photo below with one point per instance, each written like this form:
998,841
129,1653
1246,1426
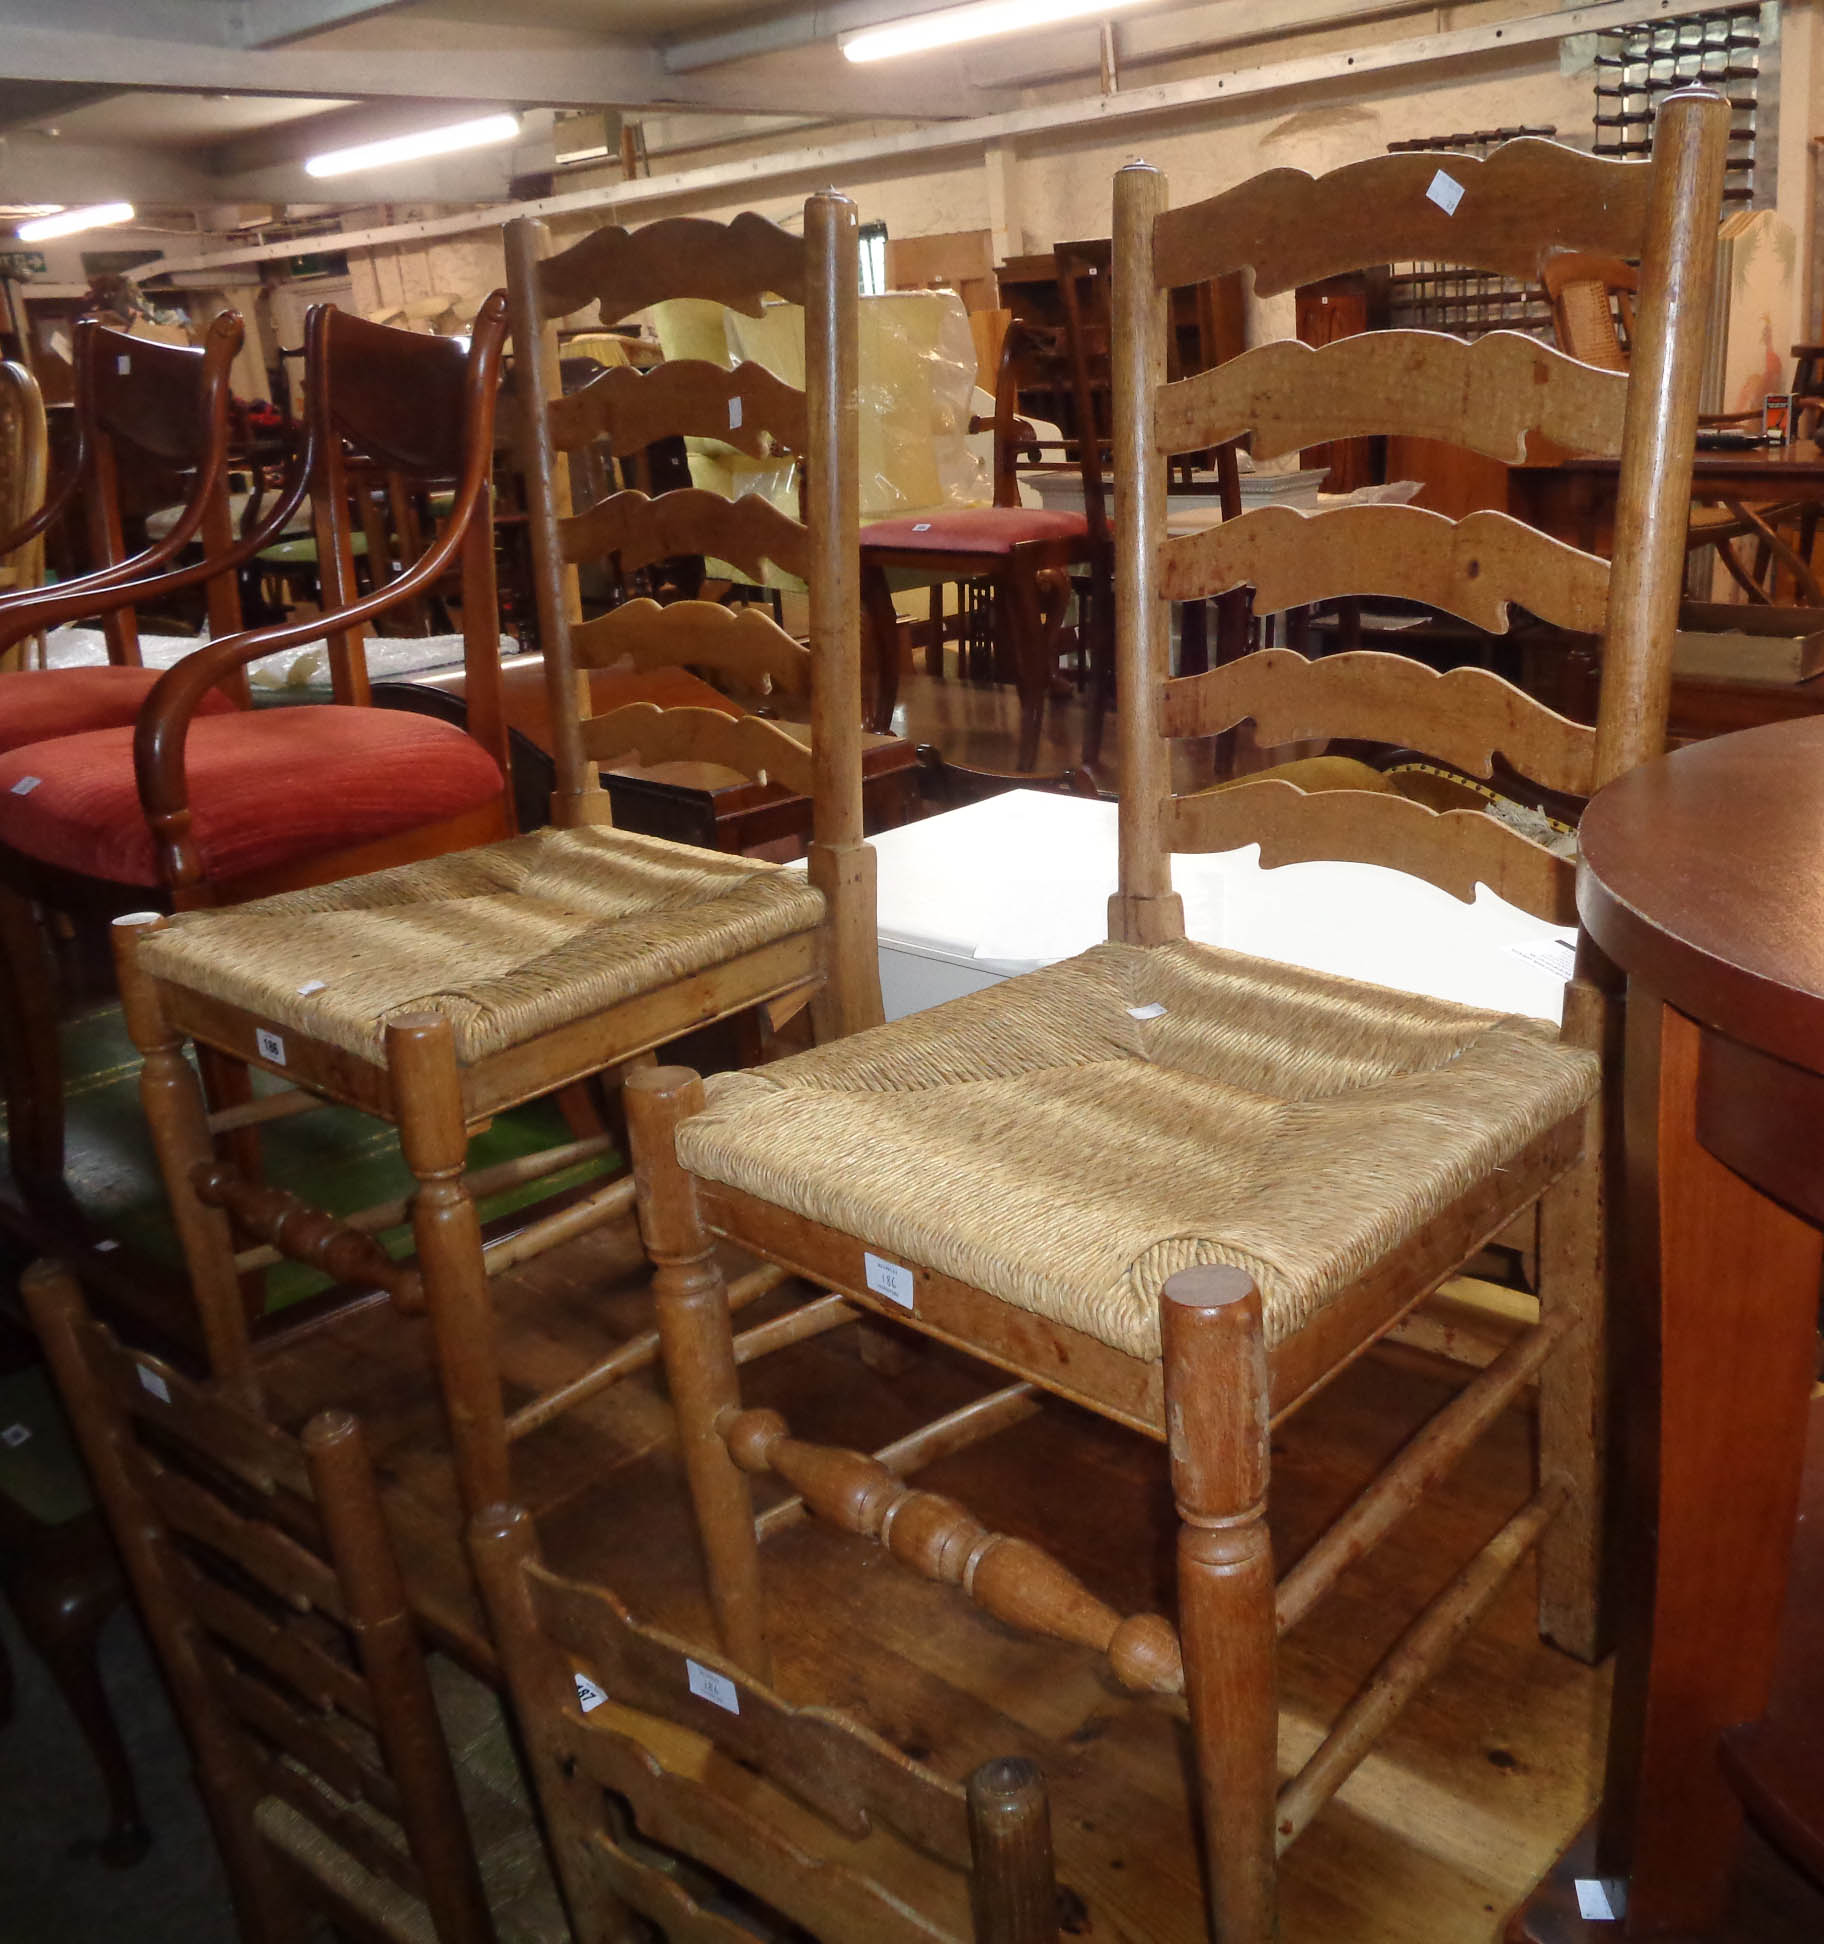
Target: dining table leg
1716,1346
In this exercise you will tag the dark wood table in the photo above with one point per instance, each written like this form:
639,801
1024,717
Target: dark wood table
1702,877
1575,498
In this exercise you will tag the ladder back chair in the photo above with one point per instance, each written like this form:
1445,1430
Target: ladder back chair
437,995
1182,1186
266,1577
195,804
756,412
803,1808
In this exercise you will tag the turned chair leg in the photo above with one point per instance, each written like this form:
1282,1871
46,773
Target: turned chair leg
1013,1887
1216,1414
63,1591
883,642
696,1339
1573,1406
176,1114
433,1136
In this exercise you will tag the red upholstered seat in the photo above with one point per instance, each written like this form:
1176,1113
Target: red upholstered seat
975,529
39,703
267,788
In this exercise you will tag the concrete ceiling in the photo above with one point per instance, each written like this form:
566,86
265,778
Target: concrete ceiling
180,105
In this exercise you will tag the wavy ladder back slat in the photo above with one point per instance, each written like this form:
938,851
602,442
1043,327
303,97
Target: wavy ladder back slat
736,264
1509,212
1502,213
551,1630
745,643
282,1625
748,744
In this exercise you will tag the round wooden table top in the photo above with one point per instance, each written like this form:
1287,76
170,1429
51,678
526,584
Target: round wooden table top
1702,874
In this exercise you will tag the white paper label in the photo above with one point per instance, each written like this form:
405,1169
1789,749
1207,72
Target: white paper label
588,1695
106,1244
1154,1011
123,364
1558,956
1601,1899
26,785
15,1434
708,1685
311,985
152,1381
271,1046
889,1279
1446,191
921,526
734,415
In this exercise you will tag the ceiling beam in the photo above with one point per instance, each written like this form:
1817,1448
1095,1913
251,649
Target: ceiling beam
828,162
38,168
271,23
182,45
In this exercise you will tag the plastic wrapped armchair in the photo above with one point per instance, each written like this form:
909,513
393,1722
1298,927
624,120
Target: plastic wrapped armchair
1181,1186
198,804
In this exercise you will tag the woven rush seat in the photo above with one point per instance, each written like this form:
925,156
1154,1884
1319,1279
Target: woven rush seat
508,941
1043,1142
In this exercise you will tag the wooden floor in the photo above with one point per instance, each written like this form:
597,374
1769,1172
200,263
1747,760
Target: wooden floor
1435,1839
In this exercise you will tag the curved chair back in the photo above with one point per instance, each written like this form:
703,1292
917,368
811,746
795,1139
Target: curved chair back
24,462
737,264
1505,213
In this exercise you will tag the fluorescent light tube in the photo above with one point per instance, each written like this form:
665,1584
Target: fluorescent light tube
957,24
68,221
483,133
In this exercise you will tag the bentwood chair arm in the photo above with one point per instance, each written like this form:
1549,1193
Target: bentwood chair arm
98,594
164,722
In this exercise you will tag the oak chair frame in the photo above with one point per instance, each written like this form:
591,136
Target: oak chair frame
24,462
301,1663
1217,1387
549,1631
419,1085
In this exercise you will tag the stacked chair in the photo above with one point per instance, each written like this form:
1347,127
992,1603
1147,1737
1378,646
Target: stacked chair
1182,1187
187,799
437,995
266,1578
775,1799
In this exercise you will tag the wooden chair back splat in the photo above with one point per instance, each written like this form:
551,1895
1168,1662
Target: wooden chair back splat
758,413
1488,396
267,1580
1179,1266
151,406
638,1731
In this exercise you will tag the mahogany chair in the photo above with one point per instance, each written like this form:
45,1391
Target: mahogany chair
1027,555
139,406
437,995
718,1768
203,805
1183,1187
265,1574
